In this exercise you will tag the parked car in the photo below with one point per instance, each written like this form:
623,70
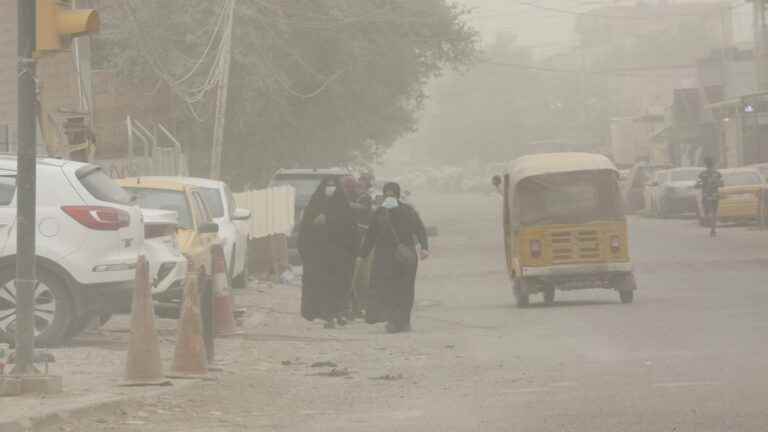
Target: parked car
673,192
739,197
633,188
304,181
89,236
233,232
197,233
763,169
167,265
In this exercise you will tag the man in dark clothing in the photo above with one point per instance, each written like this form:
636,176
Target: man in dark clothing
392,282
710,181
328,243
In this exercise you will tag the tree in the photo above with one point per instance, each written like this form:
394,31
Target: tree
313,82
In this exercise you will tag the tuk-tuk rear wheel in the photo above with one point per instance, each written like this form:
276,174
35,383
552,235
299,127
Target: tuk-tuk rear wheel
627,296
549,295
522,294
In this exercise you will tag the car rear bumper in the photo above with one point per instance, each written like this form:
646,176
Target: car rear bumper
570,270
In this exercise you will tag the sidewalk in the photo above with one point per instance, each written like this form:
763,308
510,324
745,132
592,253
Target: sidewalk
93,366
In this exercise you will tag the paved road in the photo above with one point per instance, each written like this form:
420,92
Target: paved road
689,355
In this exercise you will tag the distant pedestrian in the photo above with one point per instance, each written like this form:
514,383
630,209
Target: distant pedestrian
710,181
394,226
328,244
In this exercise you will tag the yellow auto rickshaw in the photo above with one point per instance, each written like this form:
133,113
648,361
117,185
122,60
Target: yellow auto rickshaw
564,226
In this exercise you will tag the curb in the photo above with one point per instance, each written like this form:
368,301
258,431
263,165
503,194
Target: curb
56,416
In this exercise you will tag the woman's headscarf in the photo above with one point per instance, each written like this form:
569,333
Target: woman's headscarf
392,187
340,219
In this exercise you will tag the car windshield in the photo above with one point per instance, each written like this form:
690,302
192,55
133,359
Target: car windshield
101,186
741,179
568,198
685,175
212,198
162,199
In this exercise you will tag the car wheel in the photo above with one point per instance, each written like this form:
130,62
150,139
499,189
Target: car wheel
238,281
53,308
549,295
627,296
626,287
522,294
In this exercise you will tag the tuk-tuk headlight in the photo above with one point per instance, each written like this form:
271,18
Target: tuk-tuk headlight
615,244
535,248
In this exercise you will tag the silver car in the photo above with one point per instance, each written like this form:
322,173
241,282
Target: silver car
673,192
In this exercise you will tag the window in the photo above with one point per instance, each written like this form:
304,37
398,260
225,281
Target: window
685,175
230,200
741,179
568,198
7,190
212,199
101,186
162,199
200,207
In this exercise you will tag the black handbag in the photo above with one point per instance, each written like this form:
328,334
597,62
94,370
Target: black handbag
404,255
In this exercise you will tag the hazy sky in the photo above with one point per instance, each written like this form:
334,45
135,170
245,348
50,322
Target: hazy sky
550,31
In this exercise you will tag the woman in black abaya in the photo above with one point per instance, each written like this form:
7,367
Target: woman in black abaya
392,282
328,244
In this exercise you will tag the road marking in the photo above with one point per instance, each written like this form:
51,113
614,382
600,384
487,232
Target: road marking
686,384
526,390
563,384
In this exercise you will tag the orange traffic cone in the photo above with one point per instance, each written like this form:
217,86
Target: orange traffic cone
223,303
189,358
144,366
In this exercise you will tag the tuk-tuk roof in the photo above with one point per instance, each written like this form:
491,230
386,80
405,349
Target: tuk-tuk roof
554,163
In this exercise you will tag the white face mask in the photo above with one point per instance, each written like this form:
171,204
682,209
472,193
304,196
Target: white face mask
390,203
330,190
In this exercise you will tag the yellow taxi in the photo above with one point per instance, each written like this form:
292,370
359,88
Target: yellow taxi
739,196
564,226
197,232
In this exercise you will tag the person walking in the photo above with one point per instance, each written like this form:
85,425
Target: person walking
710,181
328,244
390,237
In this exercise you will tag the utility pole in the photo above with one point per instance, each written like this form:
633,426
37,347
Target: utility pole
761,57
221,100
26,272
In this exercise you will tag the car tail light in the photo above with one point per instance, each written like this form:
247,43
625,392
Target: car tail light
159,230
615,244
99,218
535,248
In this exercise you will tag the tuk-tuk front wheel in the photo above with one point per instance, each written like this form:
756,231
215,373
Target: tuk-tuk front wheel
627,289
522,293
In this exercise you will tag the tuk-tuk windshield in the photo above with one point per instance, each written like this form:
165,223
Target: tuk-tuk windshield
567,198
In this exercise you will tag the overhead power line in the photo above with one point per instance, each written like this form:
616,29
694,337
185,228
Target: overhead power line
628,71
648,17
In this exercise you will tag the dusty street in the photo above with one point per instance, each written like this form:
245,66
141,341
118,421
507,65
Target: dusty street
688,355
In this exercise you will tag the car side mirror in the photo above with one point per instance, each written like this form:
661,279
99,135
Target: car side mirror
496,181
241,214
208,228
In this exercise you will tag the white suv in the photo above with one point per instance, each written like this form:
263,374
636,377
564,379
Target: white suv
233,232
89,236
